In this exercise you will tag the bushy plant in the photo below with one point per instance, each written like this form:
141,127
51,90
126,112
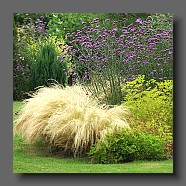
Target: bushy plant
108,57
151,106
126,146
48,66
67,119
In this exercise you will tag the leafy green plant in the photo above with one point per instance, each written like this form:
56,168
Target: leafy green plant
151,106
48,66
126,146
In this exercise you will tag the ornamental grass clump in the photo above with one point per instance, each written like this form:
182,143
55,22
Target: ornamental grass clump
68,119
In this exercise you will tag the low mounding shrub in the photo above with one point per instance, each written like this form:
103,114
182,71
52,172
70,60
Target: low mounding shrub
67,118
126,146
151,106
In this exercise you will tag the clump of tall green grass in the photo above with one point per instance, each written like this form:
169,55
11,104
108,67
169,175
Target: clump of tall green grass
68,118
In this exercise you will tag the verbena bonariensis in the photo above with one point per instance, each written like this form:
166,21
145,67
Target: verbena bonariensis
107,58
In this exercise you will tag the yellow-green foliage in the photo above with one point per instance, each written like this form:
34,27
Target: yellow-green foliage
67,118
126,146
59,44
32,47
151,105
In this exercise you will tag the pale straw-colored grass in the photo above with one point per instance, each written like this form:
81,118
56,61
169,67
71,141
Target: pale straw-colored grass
67,118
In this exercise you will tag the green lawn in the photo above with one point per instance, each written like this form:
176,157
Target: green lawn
32,159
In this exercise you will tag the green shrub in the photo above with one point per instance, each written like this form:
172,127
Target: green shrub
48,66
126,146
151,105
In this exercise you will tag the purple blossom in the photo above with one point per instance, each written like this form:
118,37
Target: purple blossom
125,32
85,76
59,57
159,35
154,48
114,29
145,62
96,19
69,48
121,53
133,29
138,21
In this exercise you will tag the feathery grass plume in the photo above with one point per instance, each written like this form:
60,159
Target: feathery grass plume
67,118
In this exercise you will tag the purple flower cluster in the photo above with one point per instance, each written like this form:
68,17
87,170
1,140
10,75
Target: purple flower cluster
21,70
40,26
135,49
35,28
